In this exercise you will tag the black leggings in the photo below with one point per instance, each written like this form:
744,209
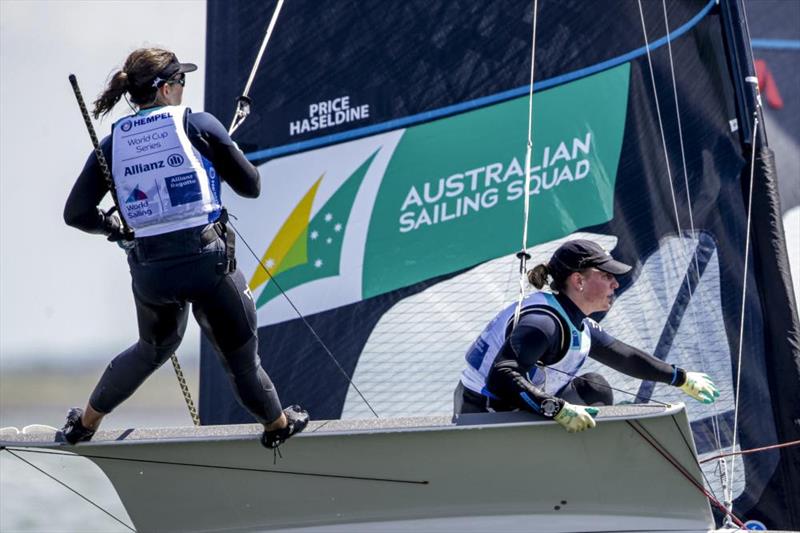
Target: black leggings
221,303
587,389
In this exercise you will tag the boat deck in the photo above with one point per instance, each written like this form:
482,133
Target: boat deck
41,436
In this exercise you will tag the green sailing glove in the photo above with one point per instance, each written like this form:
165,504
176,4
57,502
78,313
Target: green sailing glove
576,417
700,387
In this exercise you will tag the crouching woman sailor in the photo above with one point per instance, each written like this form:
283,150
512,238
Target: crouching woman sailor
534,365
166,164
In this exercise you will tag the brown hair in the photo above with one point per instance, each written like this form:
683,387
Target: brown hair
135,77
537,276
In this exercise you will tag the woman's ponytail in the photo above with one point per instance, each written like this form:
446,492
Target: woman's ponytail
537,276
135,77
117,86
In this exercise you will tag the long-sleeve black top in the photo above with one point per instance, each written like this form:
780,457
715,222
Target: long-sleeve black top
537,339
206,134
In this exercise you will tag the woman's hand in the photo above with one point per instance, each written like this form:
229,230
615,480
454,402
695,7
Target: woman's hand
576,417
700,387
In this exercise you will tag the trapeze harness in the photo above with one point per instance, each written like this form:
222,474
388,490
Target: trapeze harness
163,182
575,345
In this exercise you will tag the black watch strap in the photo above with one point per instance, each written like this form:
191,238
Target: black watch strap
551,407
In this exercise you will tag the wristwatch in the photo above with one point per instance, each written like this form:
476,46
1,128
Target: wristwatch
551,407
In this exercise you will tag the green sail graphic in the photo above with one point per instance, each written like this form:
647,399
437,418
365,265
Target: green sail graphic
452,194
316,253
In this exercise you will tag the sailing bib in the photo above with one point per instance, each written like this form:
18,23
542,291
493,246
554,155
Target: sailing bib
552,379
163,183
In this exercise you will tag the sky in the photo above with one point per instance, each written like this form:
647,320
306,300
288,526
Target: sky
65,295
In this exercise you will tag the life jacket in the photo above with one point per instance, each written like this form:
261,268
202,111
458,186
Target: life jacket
575,346
163,183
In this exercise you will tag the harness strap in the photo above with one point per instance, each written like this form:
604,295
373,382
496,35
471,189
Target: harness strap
221,229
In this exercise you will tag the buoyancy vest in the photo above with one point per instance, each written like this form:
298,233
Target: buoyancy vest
163,183
551,379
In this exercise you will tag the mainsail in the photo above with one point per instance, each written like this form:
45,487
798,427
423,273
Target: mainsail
391,144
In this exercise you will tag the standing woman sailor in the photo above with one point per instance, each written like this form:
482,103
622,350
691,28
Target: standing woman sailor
167,164
534,366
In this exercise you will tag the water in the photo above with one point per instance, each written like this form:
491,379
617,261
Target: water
29,500
32,502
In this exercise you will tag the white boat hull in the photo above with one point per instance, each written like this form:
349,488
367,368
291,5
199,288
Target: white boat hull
480,473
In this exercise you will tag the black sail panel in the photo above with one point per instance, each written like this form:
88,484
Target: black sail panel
391,142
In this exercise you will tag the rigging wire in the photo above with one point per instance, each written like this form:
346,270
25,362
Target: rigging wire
600,384
9,450
653,442
243,102
744,296
660,121
693,455
523,255
303,318
715,418
242,111
223,467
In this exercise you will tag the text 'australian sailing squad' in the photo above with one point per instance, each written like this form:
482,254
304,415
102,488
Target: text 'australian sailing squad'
473,190
329,113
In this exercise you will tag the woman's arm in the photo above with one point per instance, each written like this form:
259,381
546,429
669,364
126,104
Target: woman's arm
536,337
632,361
209,136
81,209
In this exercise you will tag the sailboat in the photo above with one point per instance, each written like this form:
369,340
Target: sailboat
391,141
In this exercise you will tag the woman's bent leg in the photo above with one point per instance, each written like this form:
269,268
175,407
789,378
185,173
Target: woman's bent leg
227,316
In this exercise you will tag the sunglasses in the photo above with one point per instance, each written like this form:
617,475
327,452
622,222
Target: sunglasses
180,80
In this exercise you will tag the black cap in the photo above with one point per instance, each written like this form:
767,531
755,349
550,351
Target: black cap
174,67
579,254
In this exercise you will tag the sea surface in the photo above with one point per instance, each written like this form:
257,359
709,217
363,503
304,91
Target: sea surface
31,501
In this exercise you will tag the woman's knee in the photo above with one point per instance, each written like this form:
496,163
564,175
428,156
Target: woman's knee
594,389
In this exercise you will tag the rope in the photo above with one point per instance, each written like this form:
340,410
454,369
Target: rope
523,254
234,468
243,102
187,396
303,318
754,450
9,450
693,454
744,295
658,447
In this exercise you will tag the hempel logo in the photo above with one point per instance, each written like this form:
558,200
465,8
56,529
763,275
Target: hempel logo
128,124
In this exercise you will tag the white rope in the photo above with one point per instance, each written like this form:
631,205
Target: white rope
741,323
695,321
243,109
523,258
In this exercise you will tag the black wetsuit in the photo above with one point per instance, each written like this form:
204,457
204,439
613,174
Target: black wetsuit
537,339
171,270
